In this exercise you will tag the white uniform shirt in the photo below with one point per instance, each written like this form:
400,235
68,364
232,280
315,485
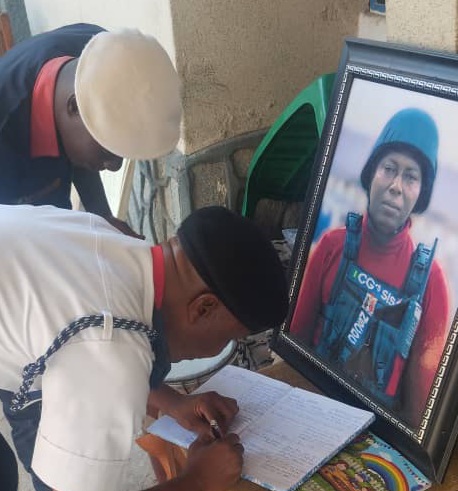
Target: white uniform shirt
57,266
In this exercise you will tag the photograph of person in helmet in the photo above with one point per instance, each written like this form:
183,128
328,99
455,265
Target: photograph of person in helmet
374,300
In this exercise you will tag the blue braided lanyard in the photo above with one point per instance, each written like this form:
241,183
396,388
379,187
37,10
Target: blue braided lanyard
22,397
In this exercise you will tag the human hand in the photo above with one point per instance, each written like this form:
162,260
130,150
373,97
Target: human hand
214,465
195,411
123,227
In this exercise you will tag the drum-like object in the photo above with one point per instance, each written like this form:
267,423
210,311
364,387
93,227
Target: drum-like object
185,376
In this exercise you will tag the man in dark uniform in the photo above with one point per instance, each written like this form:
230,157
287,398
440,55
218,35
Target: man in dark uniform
70,109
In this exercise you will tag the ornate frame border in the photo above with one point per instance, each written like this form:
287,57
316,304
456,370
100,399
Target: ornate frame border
429,446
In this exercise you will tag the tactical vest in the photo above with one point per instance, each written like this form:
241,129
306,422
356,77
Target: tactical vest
369,325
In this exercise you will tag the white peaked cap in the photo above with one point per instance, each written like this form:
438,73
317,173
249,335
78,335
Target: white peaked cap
128,94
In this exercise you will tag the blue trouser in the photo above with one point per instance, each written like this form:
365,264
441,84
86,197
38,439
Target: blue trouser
8,467
24,426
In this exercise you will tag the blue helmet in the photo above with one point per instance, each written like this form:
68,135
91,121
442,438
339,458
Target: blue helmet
412,132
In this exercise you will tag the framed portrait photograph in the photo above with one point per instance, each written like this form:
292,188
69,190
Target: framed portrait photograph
374,276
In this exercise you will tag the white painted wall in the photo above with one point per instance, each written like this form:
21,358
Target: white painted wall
150,16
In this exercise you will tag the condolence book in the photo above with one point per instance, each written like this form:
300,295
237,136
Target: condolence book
288,433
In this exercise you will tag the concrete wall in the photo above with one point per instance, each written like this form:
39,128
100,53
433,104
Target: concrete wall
372,26
242,62
426,23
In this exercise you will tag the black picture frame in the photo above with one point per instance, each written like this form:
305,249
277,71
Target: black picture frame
393,77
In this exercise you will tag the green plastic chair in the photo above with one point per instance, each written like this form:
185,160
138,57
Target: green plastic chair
280,167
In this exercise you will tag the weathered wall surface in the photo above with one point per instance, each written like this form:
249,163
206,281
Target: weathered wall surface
426,23
242,62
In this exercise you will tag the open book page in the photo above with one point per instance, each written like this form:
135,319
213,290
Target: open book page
287,432
296,436
253,392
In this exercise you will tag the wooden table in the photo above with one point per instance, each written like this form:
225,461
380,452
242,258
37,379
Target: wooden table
282,371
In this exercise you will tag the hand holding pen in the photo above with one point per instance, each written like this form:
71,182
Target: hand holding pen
215,413
218,435
214,463
195,412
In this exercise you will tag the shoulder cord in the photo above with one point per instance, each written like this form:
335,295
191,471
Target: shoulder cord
21,398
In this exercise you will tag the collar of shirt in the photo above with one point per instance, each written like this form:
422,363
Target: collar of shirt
158,275
43,135
162,364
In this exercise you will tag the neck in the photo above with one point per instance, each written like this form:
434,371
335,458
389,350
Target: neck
66,78
65,86
173,301
378,236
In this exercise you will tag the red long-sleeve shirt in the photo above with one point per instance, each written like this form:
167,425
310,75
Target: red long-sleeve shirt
389,263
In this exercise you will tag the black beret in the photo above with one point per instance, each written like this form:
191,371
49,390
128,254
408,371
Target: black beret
238,263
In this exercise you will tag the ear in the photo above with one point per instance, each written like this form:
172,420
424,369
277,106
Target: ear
72,106
203,307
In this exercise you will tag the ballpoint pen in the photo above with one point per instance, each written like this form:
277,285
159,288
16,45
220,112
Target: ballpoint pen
215,429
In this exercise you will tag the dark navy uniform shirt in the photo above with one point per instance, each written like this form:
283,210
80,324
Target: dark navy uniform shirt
21,175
